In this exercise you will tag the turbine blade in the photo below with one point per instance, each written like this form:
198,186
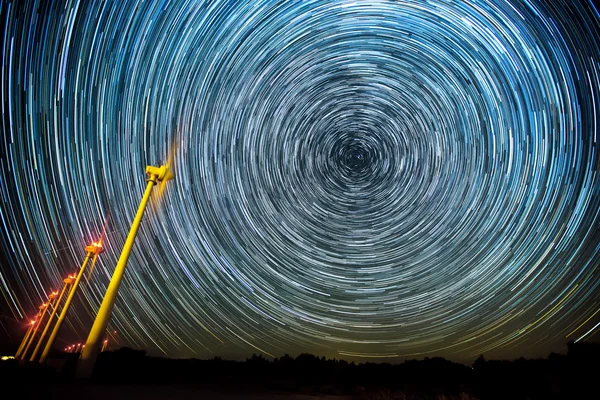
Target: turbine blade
171,154
92,267
170,164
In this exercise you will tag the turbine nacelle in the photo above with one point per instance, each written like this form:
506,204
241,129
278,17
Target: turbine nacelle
95,248
162,173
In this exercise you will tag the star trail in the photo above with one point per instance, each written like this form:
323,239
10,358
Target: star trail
355,179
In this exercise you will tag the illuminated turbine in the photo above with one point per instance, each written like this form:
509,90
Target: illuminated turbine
46,305
92,346
28,333
67,282
94,249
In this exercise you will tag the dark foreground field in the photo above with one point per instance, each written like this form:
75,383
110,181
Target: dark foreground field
157,392
97,391
130,374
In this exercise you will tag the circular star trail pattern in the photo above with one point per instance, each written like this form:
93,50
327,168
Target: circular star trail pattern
353,178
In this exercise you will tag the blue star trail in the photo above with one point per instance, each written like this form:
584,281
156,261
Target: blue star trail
354,179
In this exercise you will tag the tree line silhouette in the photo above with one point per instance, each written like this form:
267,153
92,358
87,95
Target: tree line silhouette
559,376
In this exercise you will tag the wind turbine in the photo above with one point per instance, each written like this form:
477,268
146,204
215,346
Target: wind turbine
28,333
94,249
51,298
156,175
67,282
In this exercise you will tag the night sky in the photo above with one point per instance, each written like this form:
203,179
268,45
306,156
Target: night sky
366,180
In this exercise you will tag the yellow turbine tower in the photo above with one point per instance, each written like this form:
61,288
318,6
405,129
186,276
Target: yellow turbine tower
51,298
94,249
94,341
67,282
28,333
